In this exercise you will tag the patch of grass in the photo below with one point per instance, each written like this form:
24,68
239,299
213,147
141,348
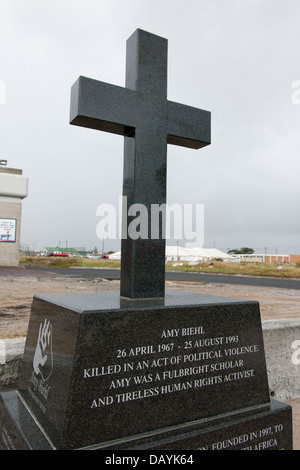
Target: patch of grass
248,269
14,336
57,262
101,263
216,267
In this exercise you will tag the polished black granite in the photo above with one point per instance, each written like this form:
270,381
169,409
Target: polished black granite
95,301
142,114
112,368
264,430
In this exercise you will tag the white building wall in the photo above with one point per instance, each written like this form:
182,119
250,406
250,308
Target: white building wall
13,188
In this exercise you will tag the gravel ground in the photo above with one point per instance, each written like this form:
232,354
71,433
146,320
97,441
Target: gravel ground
19,285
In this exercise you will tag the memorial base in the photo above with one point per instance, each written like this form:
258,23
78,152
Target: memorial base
261,430
103,372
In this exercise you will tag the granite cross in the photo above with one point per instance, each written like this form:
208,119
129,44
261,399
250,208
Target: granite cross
148,121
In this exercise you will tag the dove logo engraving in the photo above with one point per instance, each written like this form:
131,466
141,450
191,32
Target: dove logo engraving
43,356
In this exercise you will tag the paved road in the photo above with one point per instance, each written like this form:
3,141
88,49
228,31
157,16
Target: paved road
87,273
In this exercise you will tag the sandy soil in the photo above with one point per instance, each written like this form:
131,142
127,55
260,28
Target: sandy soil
275,303
16,294
17,289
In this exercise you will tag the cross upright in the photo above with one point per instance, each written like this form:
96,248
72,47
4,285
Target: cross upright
148,121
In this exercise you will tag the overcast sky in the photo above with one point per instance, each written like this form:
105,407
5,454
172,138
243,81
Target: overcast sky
238,59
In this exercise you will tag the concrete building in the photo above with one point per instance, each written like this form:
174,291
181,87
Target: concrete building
13,188
295,259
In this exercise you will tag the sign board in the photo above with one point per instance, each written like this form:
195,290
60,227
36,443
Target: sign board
8,230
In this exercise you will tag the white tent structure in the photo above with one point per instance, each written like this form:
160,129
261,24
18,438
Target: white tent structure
116,255
178,253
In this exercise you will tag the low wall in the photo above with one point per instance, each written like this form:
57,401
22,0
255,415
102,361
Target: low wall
282,350
11,352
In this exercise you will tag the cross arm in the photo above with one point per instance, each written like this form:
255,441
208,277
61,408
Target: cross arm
102,106
188,126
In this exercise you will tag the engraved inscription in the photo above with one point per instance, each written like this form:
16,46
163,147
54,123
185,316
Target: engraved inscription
181,359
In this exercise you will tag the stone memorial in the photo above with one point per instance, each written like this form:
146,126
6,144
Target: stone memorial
144,369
